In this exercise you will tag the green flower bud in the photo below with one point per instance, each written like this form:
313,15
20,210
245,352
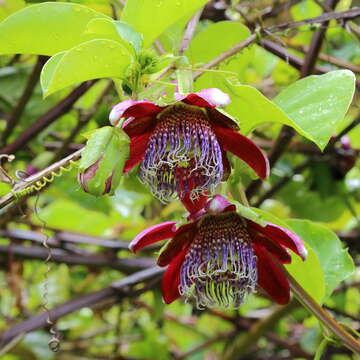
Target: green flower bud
103,159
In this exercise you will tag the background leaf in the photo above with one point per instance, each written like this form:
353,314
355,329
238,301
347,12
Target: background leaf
45,29
162,13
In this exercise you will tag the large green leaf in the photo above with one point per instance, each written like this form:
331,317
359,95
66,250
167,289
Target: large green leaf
317,104
45,29
152,17
299,269
314,106
90,60
335,261
252,108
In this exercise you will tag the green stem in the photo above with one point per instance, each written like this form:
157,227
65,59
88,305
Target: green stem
320,349
346,338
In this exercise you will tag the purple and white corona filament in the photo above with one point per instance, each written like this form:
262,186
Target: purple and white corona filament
219,269
182,147
183,154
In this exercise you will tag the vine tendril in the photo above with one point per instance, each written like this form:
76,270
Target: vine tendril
38,185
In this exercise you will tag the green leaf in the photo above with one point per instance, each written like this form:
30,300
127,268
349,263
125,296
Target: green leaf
317,104
151,18
45,29
252,108
90,60
335,261
299,269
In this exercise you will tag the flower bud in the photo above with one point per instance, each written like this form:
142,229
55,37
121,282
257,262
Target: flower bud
102,161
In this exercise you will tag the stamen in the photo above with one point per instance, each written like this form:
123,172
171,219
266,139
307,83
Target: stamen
183,155
219,269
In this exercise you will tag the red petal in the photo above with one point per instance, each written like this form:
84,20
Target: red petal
217,118
244,148
183,236
133,108
270,276
282,236
138,126
226,165
274,248
152,235
193,206
171,278
138,145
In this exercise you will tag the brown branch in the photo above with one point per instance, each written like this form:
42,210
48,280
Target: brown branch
47,119
350,127
17,112
65,257
316,42
110,294
277,10
64,236
327,58
322,19
189,32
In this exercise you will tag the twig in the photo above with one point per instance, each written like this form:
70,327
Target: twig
189,32
348,340
316,43
322,19
350,127
225,55
326,57
17,112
